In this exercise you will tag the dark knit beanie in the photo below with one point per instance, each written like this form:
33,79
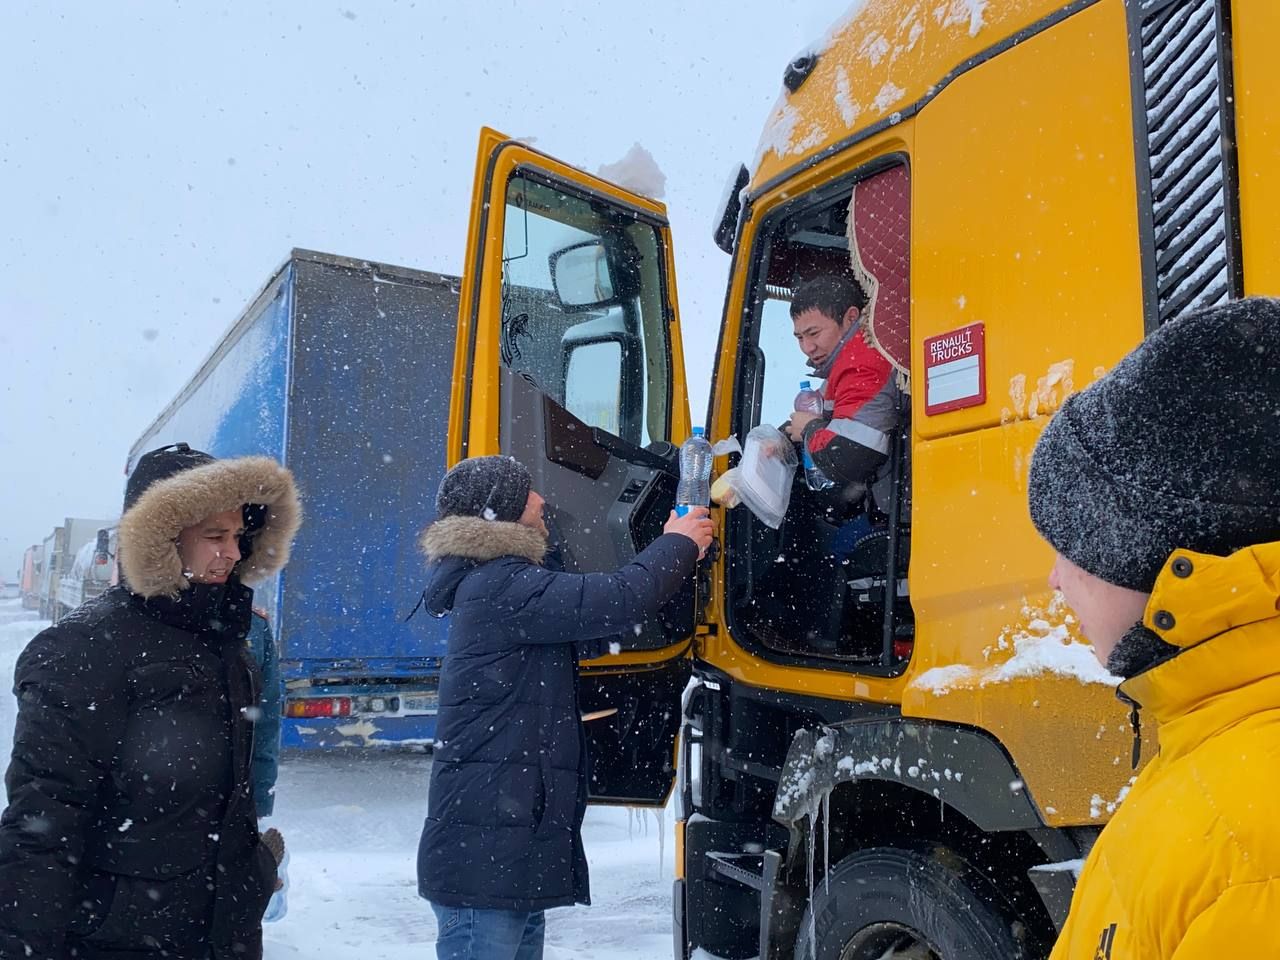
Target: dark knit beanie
495,488
160,464
1177,447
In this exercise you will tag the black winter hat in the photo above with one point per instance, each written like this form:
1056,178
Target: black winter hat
1177,447
495,488
160,464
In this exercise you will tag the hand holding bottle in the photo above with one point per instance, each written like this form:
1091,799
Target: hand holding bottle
696,525
810,406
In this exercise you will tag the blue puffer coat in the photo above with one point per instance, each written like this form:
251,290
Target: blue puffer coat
266,731
509,776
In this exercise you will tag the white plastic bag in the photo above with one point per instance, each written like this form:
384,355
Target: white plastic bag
279,904
765,474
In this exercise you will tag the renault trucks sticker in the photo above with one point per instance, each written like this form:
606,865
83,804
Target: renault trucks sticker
955,370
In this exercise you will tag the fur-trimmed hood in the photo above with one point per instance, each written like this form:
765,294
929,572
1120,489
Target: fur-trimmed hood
474,538
456,545
149,529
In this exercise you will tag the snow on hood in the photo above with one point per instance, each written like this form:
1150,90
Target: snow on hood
823,42
790,133
962,13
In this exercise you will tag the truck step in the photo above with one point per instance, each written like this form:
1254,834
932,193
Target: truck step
744,868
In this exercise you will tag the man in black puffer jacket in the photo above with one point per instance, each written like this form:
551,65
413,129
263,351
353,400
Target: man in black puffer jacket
502,840
131,831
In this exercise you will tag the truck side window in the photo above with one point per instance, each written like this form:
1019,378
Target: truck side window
817,587
593,384
784,364
583,309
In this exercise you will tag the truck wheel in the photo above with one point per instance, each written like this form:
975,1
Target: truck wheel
885,902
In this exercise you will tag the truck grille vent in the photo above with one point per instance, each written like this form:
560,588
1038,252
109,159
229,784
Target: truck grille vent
1187,140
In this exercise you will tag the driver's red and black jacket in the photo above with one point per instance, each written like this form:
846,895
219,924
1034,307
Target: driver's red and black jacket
860,399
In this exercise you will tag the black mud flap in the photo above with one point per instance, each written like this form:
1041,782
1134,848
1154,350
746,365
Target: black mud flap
680,935
1056,883
726,868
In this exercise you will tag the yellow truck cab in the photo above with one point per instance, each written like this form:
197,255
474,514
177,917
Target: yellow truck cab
899,742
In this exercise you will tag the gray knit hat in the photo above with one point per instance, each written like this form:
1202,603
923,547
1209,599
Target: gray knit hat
495,488
1177,447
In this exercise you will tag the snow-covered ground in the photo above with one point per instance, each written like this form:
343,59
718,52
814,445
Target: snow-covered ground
351,823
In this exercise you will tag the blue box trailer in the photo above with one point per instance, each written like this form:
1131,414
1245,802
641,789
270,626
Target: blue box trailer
340,369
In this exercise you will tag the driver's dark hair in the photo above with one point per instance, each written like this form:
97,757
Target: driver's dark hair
832,294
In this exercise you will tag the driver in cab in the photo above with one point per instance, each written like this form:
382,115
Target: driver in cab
849,440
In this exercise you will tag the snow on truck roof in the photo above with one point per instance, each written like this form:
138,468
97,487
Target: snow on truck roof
879,64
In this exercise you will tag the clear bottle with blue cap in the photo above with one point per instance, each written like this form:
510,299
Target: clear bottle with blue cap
695,473
809,400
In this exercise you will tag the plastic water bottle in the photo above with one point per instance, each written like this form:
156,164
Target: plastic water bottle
695,473
809,400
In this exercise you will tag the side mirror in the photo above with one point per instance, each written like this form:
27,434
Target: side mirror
726,232
581,276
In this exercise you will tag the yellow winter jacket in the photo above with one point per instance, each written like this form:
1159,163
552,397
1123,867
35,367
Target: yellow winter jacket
1189,866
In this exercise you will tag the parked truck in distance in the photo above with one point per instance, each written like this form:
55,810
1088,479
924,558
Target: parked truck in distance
92,570
54,559
340,369
29,576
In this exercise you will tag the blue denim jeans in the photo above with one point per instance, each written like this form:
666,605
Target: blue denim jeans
467,934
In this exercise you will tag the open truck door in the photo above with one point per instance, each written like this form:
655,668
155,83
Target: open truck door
568,358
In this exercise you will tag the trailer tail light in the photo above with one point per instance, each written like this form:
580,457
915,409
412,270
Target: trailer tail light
318,707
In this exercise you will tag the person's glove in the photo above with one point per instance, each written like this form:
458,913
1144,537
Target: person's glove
273,840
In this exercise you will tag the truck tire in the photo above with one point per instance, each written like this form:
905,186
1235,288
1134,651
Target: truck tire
886,902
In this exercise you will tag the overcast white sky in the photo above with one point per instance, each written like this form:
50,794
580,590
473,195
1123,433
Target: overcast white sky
159,160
